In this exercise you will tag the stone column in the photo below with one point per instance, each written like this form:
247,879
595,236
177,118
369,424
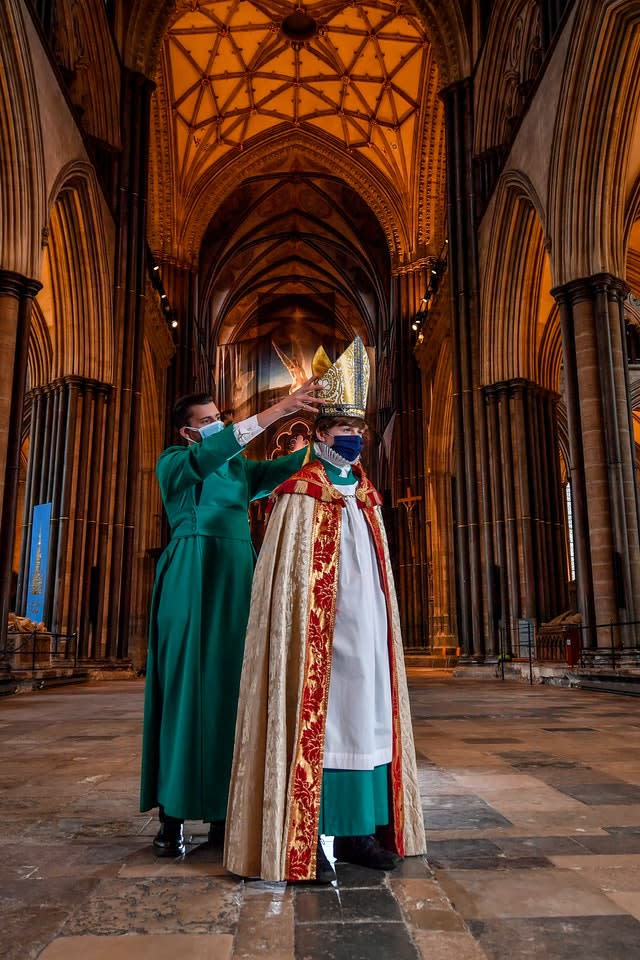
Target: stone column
477,630
16,300
530,574
409,529
116,542
67,459
440,555
602,449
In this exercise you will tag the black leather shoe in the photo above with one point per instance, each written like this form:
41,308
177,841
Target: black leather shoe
169,840
324,870
365,852
216,833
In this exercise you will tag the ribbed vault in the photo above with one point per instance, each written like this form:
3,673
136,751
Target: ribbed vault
146,24
295,234
354,72
351,88
282,152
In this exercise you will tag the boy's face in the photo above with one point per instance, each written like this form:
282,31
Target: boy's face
342,430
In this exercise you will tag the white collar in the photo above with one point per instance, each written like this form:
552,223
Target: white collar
327,453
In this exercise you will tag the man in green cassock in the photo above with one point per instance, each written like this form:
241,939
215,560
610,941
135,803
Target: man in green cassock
199,611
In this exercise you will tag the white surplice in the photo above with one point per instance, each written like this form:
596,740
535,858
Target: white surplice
358,733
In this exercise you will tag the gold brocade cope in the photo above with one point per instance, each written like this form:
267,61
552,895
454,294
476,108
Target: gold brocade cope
306,783
345,383
274,802
312,481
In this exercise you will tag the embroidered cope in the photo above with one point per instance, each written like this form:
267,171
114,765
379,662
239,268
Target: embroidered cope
286,721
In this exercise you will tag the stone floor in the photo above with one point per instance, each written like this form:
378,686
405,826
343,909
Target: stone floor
532,805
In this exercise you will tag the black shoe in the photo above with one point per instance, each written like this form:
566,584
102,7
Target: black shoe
169,840
216,833
324,870
365,852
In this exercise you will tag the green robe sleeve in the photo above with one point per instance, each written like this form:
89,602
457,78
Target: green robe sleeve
264,476
182,467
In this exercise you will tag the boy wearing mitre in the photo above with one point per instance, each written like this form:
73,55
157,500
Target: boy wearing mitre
324,744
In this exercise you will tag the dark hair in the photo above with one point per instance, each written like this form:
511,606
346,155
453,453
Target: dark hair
183,406
325,422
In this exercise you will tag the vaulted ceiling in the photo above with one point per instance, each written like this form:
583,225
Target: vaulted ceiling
330,91
353,71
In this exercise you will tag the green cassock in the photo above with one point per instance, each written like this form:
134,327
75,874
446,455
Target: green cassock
198,619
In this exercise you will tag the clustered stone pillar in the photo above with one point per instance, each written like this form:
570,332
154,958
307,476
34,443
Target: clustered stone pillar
529,578
67,468
16,300
409,521
116,552
441,567
605,510
471,503
433,353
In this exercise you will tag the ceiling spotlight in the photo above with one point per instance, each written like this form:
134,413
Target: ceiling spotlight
174,323
156,267
414,326
163,296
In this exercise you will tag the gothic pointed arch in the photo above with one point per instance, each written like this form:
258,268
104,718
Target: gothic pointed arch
519,318
632,239
76,296
284,151
40,356
595,163
22,184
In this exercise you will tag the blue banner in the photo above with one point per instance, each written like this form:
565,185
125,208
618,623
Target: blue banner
38,562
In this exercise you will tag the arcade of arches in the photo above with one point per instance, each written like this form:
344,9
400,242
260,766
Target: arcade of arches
194,194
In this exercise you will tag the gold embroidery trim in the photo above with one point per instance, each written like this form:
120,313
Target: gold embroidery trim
306,772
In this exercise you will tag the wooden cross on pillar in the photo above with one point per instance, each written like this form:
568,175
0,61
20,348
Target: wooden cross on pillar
409,501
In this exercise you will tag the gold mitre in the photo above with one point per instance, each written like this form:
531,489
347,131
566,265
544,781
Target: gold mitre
344,383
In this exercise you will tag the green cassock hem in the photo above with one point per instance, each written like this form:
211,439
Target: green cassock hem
354,802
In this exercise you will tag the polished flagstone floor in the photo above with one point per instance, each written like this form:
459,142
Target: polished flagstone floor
532,805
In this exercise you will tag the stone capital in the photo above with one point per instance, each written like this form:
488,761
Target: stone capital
588,288
73,381
16,285
510,388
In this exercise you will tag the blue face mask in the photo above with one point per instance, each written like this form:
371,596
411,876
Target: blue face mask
210,428
348,447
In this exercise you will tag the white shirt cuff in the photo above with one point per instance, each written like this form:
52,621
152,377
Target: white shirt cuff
246,430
